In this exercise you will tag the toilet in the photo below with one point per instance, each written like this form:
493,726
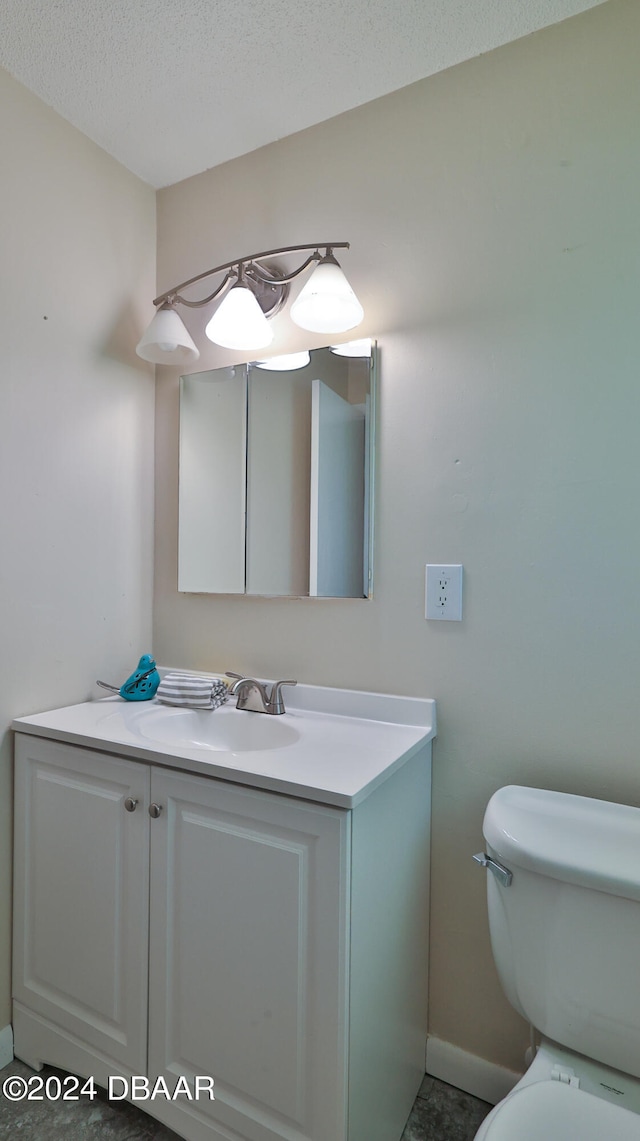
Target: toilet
563,895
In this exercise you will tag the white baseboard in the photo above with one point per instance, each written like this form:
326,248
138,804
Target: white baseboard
466,1071
6,1046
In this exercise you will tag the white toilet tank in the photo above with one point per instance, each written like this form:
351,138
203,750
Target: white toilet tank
566,932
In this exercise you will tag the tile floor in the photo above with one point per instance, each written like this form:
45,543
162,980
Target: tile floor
440,1113
443,1113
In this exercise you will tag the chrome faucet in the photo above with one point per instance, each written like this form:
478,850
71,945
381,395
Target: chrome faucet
255,697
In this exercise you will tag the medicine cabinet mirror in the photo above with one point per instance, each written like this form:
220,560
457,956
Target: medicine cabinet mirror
277,478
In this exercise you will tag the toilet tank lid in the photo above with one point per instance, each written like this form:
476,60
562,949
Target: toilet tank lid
592,843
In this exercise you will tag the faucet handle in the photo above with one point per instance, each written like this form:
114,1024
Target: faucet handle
230,673
276,704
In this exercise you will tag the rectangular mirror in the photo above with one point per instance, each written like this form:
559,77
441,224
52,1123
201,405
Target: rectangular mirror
276,479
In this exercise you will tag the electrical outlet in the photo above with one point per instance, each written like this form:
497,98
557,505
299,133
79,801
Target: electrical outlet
443,593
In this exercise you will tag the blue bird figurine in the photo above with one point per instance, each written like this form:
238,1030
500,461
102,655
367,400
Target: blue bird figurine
143,683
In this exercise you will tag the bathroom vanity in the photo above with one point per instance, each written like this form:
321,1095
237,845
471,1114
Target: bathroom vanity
230,895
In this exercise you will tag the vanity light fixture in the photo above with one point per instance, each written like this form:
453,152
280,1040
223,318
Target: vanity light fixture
254,289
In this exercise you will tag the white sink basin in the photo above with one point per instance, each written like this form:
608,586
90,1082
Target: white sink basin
224,730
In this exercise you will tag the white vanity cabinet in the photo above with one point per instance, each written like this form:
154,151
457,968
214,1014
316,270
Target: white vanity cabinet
168,923
248,917
81,896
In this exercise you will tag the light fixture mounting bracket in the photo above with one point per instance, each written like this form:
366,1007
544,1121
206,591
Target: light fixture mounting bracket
271,295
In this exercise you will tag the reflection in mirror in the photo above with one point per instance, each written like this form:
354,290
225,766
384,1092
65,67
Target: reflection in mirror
276,478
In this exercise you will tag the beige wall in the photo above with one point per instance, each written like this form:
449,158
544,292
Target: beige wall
493,216
77,241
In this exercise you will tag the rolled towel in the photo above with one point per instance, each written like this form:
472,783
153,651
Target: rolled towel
192,691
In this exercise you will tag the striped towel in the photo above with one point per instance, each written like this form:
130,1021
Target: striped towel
192,691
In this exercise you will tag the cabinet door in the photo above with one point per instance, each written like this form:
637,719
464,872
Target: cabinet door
249,904
81,895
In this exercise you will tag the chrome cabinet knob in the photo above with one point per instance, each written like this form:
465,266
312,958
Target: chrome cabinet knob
130,804
155,810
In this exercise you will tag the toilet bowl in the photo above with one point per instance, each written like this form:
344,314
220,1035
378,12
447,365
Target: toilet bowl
563,894
549,1111
565,1097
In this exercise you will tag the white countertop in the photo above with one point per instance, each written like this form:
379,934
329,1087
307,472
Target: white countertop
344,743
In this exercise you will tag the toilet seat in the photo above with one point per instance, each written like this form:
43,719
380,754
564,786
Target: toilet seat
553,1111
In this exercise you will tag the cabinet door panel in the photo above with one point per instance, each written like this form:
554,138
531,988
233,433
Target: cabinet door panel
81,879
248,955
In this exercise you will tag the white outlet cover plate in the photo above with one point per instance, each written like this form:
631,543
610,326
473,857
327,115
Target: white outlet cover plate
443,592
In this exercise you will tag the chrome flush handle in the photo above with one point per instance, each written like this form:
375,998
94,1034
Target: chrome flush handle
502,874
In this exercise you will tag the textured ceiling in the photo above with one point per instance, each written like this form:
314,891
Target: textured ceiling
173,87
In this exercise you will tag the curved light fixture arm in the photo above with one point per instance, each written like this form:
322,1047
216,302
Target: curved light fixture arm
174,296
235,270
269,279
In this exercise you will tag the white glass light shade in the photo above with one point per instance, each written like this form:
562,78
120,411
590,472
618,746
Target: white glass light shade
238,322
286,363
167,341
361,348
327,303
